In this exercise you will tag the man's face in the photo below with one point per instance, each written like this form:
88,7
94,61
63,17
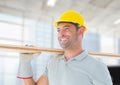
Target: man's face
67,35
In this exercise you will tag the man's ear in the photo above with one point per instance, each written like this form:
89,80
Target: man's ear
81,30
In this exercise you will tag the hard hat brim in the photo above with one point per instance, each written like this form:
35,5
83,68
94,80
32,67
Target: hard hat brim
56,24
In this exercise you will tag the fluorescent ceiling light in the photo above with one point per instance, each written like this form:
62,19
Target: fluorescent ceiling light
117,21
51,3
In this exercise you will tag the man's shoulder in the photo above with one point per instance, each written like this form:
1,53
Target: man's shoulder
96,61
56,57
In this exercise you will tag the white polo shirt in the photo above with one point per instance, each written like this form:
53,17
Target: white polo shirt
80,70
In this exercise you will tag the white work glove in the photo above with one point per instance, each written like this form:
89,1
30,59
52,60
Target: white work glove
25,69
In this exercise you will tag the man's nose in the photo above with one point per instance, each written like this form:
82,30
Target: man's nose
61,33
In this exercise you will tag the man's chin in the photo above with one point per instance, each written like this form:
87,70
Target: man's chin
65,47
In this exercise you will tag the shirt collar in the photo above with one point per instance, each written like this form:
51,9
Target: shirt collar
78,57
81,56
61,56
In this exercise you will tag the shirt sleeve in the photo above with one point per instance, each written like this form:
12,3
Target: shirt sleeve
45,72
102,76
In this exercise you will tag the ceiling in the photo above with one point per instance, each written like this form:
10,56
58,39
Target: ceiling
101,16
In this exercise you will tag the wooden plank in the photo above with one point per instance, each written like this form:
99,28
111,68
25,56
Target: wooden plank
26,49
104,54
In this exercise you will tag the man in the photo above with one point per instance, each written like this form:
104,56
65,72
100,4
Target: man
75,66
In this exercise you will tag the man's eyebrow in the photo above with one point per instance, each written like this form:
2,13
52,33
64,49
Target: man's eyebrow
66,26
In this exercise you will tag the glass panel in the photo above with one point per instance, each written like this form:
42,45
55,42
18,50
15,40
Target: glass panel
10,31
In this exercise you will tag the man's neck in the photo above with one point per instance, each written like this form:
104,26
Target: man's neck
72,53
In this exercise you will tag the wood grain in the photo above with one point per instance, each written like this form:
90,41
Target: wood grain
27,49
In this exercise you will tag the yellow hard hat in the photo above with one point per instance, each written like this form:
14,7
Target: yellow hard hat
71,16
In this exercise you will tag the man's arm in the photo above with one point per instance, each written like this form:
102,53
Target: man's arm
41,81
29,81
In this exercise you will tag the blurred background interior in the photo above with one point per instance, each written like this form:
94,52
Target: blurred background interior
31,22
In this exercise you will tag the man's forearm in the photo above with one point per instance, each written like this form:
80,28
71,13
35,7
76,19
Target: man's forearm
41,81
29,81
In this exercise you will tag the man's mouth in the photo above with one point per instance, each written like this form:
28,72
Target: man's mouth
63,40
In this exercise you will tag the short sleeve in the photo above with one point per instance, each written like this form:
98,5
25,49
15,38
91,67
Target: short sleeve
45,72
102,76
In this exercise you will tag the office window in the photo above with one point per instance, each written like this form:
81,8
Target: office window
91,42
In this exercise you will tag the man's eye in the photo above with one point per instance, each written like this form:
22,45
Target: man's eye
58,29
67,28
